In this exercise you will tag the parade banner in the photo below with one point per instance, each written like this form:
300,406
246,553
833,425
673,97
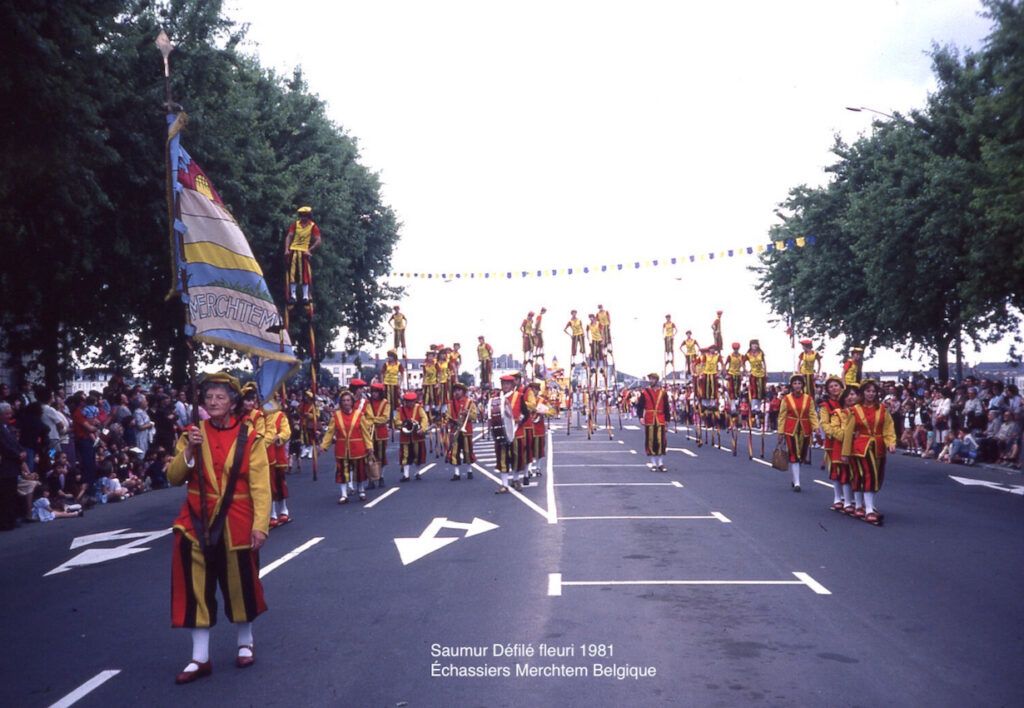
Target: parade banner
781,245
216,275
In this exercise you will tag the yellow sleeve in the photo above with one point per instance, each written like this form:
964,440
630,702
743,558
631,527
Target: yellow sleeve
366,428
286,428
888,430
848,430
783,415
178,471
385,414
831,425
260,426
812,413
424,420
259,487
329,435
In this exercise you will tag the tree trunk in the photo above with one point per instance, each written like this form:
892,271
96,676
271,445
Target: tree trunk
942,352
959,358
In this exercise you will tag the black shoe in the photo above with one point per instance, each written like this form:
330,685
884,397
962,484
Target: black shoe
403,479
526,481
380,483
418,477
455,478
371,485
796,487
469,475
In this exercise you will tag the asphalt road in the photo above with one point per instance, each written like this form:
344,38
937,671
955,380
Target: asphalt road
606,584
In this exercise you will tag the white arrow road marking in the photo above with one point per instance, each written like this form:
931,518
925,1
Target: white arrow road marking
86,688
555,583
412,549
91,556
619,484
967,481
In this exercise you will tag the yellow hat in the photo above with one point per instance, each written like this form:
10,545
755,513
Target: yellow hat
305,210
250,389
221,377
653,376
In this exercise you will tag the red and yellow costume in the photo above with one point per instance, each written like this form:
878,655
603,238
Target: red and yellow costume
277,433
798,418
851,373
734,373
461,450
867,433
512,457
303,234
352,435
604,319
654,414
668,331
412,449
229,560
710,365
526,329
597,340
757,387
575,328
485,353
380,413
430,382
833,422
308,422
808,369
398,322
691,351
443,381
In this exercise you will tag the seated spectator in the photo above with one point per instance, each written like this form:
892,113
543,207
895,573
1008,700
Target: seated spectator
1008,439
156,472
963,449
973,412
41,510
112,489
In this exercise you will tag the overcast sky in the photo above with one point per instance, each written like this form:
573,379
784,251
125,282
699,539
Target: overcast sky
553,134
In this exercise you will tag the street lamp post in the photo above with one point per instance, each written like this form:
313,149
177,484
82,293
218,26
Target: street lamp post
858,109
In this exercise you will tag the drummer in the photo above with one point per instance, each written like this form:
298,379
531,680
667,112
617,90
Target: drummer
509,436
412,423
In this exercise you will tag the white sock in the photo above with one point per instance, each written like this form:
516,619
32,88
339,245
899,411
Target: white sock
847,494
405,471
659,461
650,461
504,479
869,502
283,507
305,291
837,492
273,510
344,490
293,290
795,469
859,499
458,473
362,487
245,635
200,645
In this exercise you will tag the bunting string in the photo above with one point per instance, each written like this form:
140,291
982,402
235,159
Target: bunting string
781,245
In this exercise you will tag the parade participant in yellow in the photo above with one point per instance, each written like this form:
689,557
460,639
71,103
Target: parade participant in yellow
462,412
604,318
398,322
668,331
597,341
574,328
711,367
251,409
308,424
538,332
380,410
430,381
443,378
510,456
716,330
391,376
758,372
838,410
222,524
526,329
277,433
536,426
810,365
412,423
454,362
798,419
351,431
691,350
734,364
853,367
868,435
485,354
653,410
302,239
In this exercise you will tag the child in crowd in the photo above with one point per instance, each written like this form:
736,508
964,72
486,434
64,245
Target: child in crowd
41,510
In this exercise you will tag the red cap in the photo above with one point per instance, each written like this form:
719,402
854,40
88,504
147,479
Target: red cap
735,345
409,396
508,377
356,382
806,341
376,387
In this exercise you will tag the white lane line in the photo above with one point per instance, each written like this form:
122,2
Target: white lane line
824,484
595,466
426,469
682,450
86,688
619,484
631,427
759,461
555,583
632,452
291,554
589,452
812,583
721,517
552,509
477,436
381,498
518,495
676,484
642,518
621,442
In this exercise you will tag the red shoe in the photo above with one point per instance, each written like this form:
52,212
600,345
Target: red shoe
283,519
859,513
244,662
274,523
205,668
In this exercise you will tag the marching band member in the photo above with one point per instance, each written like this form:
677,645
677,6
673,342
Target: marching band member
537,427
574,328
654,412
868,435
485,353
810,366
798,418
510,456
832,422
734,364
412,422
462,412
222,524
691,351
302,239
380,412
853,367
351,430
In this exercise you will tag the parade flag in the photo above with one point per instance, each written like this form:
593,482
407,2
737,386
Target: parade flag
216,275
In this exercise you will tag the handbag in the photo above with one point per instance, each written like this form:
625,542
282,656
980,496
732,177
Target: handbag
780,458
373,469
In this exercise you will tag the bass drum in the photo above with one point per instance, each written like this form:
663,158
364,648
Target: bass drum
494,421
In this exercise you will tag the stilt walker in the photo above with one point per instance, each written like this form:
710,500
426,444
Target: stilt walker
757,387
485,355
399,322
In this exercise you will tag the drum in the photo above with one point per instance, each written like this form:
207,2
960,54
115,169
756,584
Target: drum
410,427
494,420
